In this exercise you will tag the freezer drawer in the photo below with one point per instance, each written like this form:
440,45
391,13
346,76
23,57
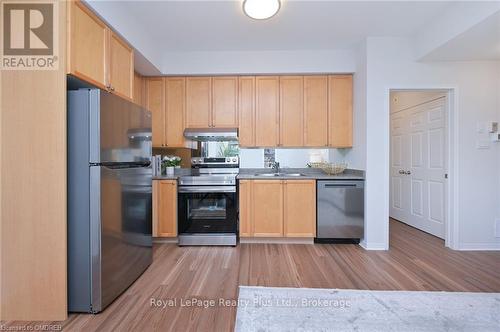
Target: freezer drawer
340,210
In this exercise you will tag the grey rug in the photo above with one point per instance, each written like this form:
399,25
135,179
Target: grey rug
308,309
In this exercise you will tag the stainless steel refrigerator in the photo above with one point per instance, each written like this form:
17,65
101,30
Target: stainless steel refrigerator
109,197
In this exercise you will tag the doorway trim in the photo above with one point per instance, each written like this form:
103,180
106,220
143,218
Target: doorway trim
451,228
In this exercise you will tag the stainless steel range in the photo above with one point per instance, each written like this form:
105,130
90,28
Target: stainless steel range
207,204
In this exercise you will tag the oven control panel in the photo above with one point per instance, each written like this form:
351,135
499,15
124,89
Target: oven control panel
215,161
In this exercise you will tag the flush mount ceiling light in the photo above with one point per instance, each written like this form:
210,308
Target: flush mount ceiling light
261,9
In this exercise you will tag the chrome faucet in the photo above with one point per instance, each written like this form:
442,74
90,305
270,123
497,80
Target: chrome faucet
276,166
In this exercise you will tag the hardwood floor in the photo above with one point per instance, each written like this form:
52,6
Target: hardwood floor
415,261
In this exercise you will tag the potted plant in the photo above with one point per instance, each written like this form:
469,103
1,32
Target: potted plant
169,163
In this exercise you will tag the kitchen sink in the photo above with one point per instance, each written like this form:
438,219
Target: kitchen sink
280,174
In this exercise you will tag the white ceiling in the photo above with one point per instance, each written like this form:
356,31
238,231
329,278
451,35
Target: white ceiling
187,26
481,42
199,37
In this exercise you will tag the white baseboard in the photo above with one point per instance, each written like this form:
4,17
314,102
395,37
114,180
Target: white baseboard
373,246
479,246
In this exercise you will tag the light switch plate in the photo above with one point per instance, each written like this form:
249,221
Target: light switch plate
482,144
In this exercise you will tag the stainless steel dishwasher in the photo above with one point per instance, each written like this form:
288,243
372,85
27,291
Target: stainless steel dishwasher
341,206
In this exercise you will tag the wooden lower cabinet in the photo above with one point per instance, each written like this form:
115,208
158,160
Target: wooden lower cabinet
164,208
267,208
277,208
299,208
245,207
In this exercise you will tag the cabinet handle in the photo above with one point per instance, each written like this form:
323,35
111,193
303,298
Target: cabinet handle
112,89
402,172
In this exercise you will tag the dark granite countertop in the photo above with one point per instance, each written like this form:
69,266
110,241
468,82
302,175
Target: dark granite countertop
309,173
178,172
251,174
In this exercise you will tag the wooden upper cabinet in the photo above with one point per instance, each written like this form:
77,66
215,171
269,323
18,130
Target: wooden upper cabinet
315,111
96,54
225,102
165,216
267,111
291,111
87,45
175,107
267,208
246,111
245,207
155,102
340,110
198,102
299,218
139,90
121,67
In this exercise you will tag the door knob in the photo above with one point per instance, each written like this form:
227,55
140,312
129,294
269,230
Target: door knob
401,172
407,172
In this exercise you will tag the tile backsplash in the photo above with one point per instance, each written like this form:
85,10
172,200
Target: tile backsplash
295,158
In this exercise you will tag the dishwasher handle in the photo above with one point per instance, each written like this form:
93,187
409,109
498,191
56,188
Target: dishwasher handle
341,184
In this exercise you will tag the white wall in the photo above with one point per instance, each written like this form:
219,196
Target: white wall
251,158
356,156
260,62
390,64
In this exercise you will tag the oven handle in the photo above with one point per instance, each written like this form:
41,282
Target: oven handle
207,189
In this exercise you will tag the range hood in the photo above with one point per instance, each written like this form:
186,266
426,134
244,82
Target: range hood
211,134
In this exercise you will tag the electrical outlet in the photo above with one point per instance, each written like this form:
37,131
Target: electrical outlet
497,227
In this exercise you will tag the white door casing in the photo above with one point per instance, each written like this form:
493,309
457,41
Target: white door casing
419,166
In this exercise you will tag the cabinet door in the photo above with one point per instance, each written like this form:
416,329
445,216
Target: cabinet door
198,102
266,111
167,209
291,111
155,101
225,102
245,205
267,208
316,111
340,110
138,89
87,45
121,67
175,107
299,208
246,101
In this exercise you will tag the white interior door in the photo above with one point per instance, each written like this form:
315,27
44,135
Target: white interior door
419,166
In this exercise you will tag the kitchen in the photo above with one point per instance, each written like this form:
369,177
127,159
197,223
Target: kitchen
218,170
235,97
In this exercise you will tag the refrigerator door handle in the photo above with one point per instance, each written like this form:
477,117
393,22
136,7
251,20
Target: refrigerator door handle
115,165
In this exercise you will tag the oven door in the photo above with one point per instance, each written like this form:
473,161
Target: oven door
207,209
